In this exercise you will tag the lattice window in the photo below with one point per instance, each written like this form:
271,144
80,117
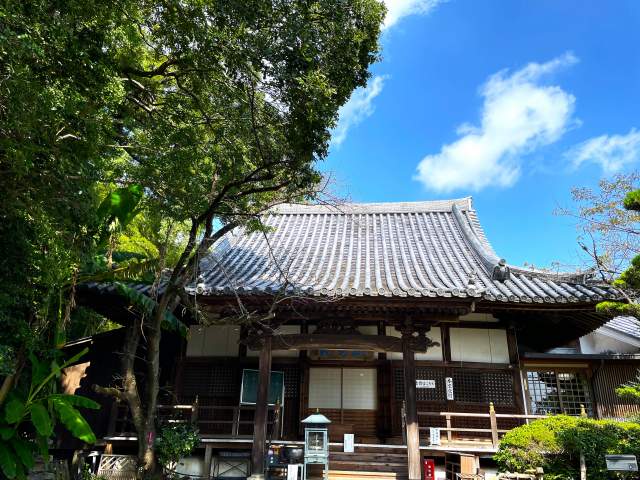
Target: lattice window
468,386
398,384
553,391
208,380
291,380
437,394
483,387
497,387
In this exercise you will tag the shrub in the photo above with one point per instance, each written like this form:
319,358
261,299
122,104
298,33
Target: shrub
175,441
555,444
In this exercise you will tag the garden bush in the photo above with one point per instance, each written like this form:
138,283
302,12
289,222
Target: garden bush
555,444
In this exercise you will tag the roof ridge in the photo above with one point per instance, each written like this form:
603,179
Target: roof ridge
464,204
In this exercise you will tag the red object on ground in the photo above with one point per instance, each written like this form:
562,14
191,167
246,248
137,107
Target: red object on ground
428,469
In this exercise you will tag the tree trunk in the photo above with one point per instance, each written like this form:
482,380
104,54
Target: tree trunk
262,409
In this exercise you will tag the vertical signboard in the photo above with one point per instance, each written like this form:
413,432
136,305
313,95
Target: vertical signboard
448,382
434,436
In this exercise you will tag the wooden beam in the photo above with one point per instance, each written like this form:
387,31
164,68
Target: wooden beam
260,419
413,435
374,343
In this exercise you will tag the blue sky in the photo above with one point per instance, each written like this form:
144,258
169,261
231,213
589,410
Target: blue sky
513,102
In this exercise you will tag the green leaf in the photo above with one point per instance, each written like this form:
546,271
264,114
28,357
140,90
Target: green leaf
76,400
13,411
7,461
147,305
41,420
39,370
6,433
43,446
24,450
121,204
73,420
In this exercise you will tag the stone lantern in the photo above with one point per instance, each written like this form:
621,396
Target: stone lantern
316,442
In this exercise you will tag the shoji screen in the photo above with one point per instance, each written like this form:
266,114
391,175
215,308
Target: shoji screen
324,388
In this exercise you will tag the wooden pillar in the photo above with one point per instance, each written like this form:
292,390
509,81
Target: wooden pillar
208,456
260,419
382,331
413,434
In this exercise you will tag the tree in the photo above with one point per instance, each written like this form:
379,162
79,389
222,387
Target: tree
231,105
217,110
609,220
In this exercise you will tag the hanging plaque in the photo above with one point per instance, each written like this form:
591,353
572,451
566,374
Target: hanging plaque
448,382
434,436
425,384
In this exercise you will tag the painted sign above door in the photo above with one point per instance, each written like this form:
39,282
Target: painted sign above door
322,354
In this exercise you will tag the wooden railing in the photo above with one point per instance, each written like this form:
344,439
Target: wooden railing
491,417
226,421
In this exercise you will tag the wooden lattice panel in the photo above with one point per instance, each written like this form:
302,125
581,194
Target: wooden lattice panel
117,467
204,380
291,380
483,387
498,387
437,394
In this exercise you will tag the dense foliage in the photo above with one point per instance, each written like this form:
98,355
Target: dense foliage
135,133
38,410
175,441
555,444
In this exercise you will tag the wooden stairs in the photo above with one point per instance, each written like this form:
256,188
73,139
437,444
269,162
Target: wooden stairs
367,463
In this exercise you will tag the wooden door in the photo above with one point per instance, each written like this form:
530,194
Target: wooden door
348,396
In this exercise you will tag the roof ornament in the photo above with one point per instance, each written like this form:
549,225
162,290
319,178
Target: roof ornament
201,286
474,287
501,271
472,278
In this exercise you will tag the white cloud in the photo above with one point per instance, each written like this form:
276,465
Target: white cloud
396,9
519,114
359,107
611,152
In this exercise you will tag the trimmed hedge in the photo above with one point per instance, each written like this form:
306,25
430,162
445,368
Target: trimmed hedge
555,444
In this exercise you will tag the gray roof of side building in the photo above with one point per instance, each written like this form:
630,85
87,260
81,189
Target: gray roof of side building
624,324
431,249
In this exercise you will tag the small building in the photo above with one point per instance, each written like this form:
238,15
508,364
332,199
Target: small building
397,321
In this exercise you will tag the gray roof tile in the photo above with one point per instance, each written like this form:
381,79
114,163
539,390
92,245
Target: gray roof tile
418,249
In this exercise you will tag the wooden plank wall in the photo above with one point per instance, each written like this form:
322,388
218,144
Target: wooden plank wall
605,379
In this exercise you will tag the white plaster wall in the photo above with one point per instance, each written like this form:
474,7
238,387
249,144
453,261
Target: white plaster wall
486,345
213,341
433,353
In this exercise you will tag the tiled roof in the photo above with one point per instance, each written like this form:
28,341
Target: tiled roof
627,325
412,249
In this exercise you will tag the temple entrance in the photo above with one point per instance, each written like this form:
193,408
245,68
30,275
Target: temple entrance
348,396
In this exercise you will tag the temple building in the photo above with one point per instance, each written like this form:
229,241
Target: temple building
397,321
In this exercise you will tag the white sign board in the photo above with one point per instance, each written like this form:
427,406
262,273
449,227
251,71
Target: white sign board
348,443
621,463
425,384
448,381
434,436
292,472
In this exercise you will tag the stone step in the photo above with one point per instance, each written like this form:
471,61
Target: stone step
361,475
368,466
